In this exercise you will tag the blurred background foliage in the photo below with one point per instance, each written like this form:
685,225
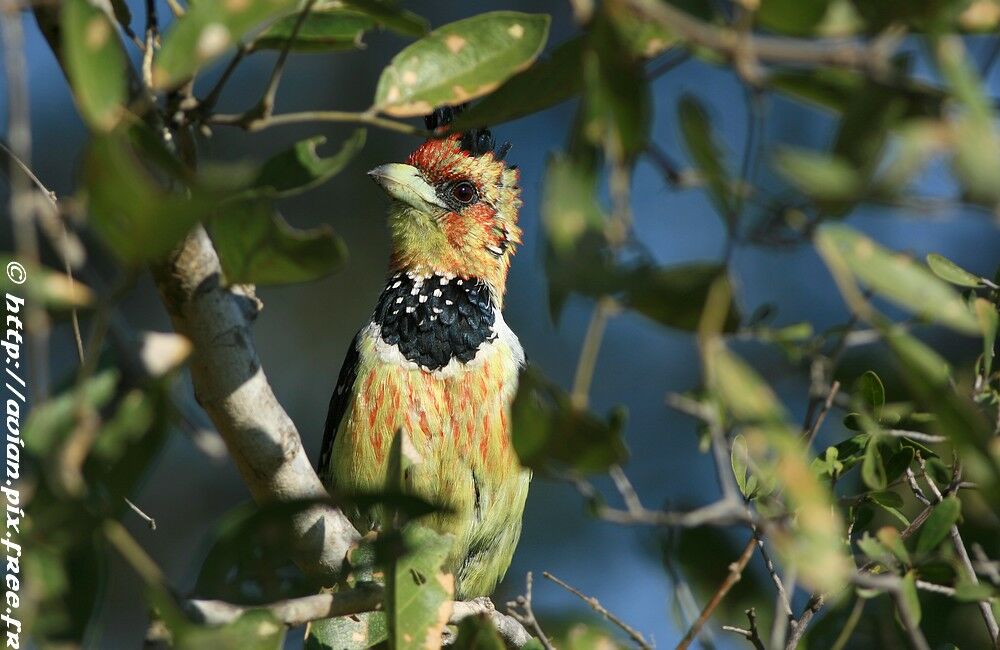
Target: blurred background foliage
786,239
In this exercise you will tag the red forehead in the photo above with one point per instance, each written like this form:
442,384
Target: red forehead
436,158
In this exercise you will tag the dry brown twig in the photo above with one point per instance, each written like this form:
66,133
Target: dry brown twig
521,610
633,634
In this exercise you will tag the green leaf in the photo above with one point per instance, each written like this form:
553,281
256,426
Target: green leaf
741,390
257,246
948,271
740,462
207,30
892,275
95,63
358,632
548,82
477,633
51,421
706,155
872,468
892,540
675,296
390,15
976,159
938,525
460,61
870,391
989,321
910,597
418,591
323,30
253,630
547,428
137,217
967,592
897,464
887,498
792,17
821,176
874,549
617,109
301,168
569,203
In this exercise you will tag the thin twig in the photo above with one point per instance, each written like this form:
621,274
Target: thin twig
869,57
812,429
735,573
589,349
751,634
521,610
22,203
633,634
142,515
267,101
252,123
852,622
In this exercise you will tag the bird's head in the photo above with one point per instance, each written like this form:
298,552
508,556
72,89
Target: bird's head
454,207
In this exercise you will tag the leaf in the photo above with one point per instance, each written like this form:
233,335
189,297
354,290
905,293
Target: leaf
207,30
301,168
948,271
257,246
976,160
547,428
617,106
44,286
389,14
706,155
989,321
95,63
322,30
891,539
938,525
874,550
358,632
569,204
966,592
870,390
477,633
460,61
51,421
813,544
740,462
675,296
740,390
872,468
821,176
892,275
418,591
136,216
910,599
548,82
792,17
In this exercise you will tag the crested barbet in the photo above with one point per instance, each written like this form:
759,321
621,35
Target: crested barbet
437,364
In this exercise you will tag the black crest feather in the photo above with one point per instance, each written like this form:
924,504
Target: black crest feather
476,141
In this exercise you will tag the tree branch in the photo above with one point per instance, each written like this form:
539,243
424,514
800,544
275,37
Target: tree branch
230,385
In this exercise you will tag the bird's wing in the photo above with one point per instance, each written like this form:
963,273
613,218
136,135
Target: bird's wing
339,402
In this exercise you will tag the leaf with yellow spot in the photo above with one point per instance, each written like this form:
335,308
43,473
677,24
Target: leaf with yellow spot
418,592
460,61
207,30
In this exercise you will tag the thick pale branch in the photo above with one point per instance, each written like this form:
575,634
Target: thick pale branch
299,611
230,385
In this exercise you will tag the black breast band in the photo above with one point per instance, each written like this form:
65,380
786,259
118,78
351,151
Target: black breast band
434,319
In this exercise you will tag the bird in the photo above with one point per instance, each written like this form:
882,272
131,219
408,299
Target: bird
437,364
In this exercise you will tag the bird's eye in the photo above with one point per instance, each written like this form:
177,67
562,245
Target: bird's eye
465,193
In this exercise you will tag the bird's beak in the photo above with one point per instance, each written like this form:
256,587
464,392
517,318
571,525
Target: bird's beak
405,183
